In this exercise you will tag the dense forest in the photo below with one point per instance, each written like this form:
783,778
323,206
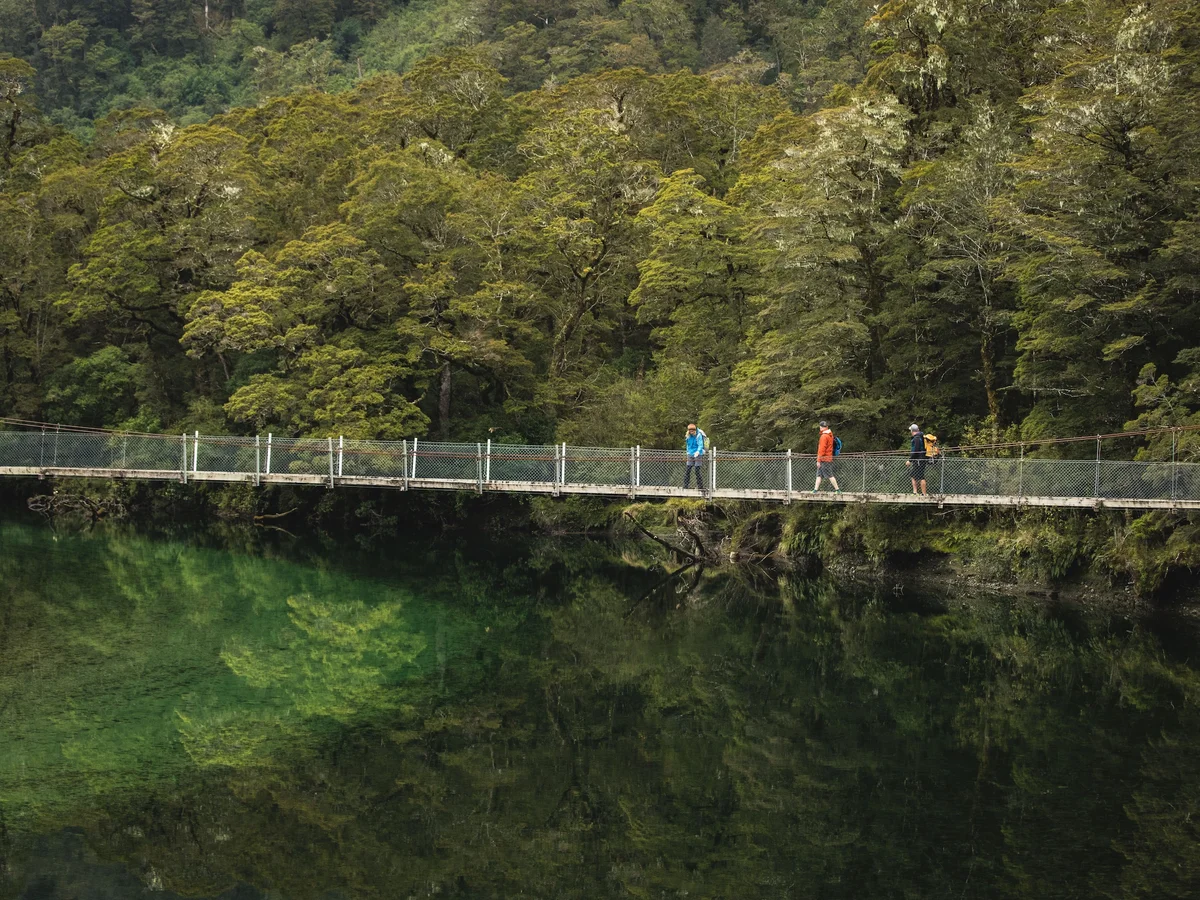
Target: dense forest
598,220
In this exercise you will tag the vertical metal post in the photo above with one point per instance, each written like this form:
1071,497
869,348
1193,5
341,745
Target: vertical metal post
712,463
638,478
196,453
789,477
1021,473
479,467
554,480
864,459
414,458
331,462
341,452
183,466
42,448
268,469
487,463
124,449
1096,493
257,460
941,464
563,479
1174,461
56,427
404,450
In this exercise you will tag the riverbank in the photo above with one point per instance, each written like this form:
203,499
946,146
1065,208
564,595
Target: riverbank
1147,557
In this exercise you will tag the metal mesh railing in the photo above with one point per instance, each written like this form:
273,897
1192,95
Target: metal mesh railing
1001,471
520,463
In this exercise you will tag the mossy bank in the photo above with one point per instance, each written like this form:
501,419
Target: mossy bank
1152,556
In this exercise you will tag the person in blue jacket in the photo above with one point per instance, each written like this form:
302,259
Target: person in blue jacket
694,446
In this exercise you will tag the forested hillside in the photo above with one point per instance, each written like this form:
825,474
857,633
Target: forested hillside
594,221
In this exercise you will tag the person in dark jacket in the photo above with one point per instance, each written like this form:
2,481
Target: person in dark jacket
917,459
694,446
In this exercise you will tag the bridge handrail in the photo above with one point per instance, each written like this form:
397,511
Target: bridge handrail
39,448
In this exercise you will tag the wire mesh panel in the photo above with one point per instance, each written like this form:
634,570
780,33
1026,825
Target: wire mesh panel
1058,478
666,468
1135,480
444,461
298,456
757,471
218,453
69,450
951,474
597,465
881,475
1187,481
378,459
22,448
150,453
521,462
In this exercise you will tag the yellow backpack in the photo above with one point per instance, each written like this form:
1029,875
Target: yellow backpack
931,445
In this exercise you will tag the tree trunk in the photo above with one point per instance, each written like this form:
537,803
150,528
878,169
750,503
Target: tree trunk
444,403
987,357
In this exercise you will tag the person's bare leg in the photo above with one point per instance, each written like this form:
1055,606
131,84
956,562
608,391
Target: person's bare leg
915,491
924,489
817,484
833,481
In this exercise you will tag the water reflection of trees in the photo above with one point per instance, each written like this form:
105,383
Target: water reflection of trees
528,729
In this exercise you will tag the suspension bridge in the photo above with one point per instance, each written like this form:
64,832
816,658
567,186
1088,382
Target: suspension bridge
989,475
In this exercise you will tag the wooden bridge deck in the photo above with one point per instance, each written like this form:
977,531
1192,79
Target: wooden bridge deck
604,490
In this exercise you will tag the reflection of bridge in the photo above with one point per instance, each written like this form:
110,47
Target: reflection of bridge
996,475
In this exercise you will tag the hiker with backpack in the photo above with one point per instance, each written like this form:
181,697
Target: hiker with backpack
923,447
828,446
695,444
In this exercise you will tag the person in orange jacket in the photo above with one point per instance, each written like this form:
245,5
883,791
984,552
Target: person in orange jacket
825,459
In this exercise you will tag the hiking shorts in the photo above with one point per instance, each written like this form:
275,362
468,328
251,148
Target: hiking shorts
825,470
918,468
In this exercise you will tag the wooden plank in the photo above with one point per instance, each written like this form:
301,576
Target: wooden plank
608,490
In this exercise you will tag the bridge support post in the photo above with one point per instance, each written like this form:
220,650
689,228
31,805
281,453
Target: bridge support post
268,470
632,472
1174,462
788,499
941,464
257,460
404,459
1096,493
487,463
341,449
479,467
864,472
712,471
563,479
638,480
331,462
414,458
554,480
196,453
1021,473
183,466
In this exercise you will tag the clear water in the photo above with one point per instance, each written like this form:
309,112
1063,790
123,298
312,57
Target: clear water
553,721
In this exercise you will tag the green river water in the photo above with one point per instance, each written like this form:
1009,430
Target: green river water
249,720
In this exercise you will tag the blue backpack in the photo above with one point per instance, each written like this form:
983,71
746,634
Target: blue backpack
837,445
